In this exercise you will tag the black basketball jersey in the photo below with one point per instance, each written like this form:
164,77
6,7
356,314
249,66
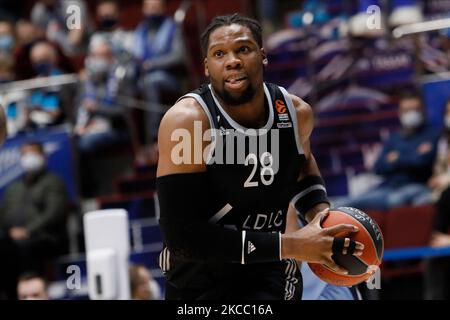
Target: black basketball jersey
252,171
252,175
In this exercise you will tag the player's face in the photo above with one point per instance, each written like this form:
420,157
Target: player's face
234,64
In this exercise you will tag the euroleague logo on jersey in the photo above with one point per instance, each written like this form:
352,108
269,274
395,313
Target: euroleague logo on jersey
280,106
282,114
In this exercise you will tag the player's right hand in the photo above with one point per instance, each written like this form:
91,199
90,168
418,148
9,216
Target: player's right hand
314,244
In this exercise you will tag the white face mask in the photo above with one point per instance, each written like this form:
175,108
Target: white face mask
411,119
97,66
32,162
447,122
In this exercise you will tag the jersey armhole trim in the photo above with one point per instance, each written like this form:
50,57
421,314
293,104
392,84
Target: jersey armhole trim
292,111
202,103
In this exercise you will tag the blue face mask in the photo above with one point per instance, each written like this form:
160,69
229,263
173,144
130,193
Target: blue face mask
42,68
6,42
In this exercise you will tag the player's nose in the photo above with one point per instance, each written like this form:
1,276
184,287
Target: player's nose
233,61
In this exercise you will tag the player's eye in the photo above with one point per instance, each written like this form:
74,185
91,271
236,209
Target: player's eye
244,49
218,53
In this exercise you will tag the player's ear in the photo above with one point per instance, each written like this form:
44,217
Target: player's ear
205,63
265,61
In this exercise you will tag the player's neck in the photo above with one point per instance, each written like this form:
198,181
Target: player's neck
250,115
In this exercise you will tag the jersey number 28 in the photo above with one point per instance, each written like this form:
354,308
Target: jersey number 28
266,161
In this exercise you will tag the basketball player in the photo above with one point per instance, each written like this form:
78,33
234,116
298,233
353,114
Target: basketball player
233,155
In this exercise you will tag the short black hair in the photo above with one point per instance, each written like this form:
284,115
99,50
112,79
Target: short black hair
227,20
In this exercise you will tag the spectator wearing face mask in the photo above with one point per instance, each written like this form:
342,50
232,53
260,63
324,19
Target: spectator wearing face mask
45,105
99,106
108,19
405,163
7,39
32,218
121,41
14,101
159,49
52,18
99,123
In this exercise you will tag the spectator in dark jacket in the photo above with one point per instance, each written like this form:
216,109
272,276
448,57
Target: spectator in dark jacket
32,218
405,163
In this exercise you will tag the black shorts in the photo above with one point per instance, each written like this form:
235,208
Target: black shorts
274,281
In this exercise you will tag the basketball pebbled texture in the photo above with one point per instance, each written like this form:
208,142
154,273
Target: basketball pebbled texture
369,234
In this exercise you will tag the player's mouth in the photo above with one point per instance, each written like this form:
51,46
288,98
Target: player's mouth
236,82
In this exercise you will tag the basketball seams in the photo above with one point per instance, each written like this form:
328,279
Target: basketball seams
371,227
361,227
364,227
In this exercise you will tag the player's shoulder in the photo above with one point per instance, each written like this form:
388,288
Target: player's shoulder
301,106
184,113
303,109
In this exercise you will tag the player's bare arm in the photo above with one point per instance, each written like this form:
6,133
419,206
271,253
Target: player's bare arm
182,116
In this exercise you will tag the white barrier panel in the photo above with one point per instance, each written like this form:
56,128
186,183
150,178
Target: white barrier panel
107,251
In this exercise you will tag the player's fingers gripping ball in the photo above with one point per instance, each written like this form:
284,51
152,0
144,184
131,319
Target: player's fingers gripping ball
360,268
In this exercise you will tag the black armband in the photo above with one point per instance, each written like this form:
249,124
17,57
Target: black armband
189,231
310,192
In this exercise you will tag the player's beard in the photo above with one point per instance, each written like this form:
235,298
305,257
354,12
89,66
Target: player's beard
243,98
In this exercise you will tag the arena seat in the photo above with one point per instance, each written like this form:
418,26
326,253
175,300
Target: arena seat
151,234
379,217
337,184
139,206
406,227
136,184
409,226
145,169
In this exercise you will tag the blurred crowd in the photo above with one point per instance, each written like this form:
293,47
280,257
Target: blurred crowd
114,66
113,72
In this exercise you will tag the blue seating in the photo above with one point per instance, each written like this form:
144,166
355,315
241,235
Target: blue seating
138,207
137,184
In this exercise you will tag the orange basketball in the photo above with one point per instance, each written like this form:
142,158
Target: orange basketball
369,234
